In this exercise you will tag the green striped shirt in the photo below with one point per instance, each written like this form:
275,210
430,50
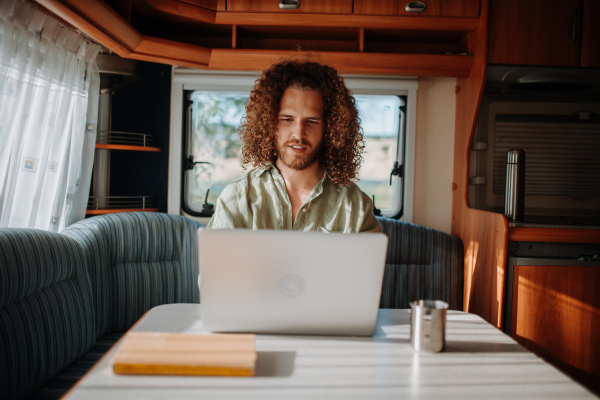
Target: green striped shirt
259,200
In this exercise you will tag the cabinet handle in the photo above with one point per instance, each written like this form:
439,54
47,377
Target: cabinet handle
416,7
289,4
575,24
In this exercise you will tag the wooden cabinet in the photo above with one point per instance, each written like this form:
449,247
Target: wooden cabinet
556,314
430,8
544,32
590,34
216,5
293,6
249,34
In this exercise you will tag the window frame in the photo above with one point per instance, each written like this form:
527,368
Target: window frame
185,80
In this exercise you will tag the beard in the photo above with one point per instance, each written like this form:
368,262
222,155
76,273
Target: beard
298,162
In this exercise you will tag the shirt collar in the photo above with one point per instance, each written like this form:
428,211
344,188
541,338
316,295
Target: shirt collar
316,191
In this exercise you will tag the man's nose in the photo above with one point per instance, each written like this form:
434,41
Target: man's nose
299,130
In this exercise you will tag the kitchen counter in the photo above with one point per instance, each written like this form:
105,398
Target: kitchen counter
529,232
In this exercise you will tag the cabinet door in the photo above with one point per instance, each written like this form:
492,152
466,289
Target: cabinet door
590,34
432,8
556,314
535,32
304,6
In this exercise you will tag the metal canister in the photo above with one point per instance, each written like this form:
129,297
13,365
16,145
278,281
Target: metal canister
428,325
514,198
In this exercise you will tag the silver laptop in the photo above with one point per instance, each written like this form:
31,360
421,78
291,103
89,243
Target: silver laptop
290,282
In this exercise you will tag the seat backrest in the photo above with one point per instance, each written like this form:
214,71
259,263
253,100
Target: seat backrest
138,260
421,263
46,308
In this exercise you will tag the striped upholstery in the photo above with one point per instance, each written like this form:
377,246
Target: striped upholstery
46,308
137,260
421,263
67,378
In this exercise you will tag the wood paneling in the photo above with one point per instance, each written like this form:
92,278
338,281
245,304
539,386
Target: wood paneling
484,234
122,7
171,52
349,21
390,21
435,8
306,6
423,51
536,32
378,64
97,20
590,34
216,5
556,314
553,235
183,9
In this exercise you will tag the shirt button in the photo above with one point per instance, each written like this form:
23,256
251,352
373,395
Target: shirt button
304,210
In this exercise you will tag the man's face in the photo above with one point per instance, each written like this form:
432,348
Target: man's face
300,128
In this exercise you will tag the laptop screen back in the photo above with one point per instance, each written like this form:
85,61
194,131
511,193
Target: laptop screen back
290,282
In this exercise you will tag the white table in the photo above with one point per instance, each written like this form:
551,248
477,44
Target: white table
479,362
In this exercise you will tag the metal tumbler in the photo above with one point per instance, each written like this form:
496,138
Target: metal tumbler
428,325
514,197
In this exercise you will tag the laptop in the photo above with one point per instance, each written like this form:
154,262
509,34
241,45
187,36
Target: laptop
290,282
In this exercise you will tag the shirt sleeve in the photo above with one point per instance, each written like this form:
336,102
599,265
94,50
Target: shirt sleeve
229,210
370,223
366,219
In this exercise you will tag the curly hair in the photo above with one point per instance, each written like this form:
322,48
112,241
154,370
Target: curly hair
342,145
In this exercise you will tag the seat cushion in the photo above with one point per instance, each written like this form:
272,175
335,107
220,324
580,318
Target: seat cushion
46,308
58,386
138,260
421,263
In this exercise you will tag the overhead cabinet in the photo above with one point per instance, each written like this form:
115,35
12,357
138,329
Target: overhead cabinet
295,6
545,32
428,8
416,38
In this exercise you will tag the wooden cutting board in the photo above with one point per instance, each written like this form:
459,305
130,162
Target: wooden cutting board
156,353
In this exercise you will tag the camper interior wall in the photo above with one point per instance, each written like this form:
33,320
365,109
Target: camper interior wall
431,186
434,159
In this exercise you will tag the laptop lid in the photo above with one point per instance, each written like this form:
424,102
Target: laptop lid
290,282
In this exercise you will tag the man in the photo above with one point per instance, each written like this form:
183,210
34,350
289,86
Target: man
302,135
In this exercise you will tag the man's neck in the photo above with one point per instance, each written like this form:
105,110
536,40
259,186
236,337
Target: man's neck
299,183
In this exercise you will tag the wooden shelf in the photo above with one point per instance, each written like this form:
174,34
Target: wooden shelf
127,147
347,62
553,235
349,21
99,205
117,140
119,210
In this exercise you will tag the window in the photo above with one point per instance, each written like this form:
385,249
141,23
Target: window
213,156
382,121
212,105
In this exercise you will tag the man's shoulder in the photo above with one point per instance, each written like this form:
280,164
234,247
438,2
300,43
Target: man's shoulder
351,190
242,183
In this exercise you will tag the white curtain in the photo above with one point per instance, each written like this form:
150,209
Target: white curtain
49,89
